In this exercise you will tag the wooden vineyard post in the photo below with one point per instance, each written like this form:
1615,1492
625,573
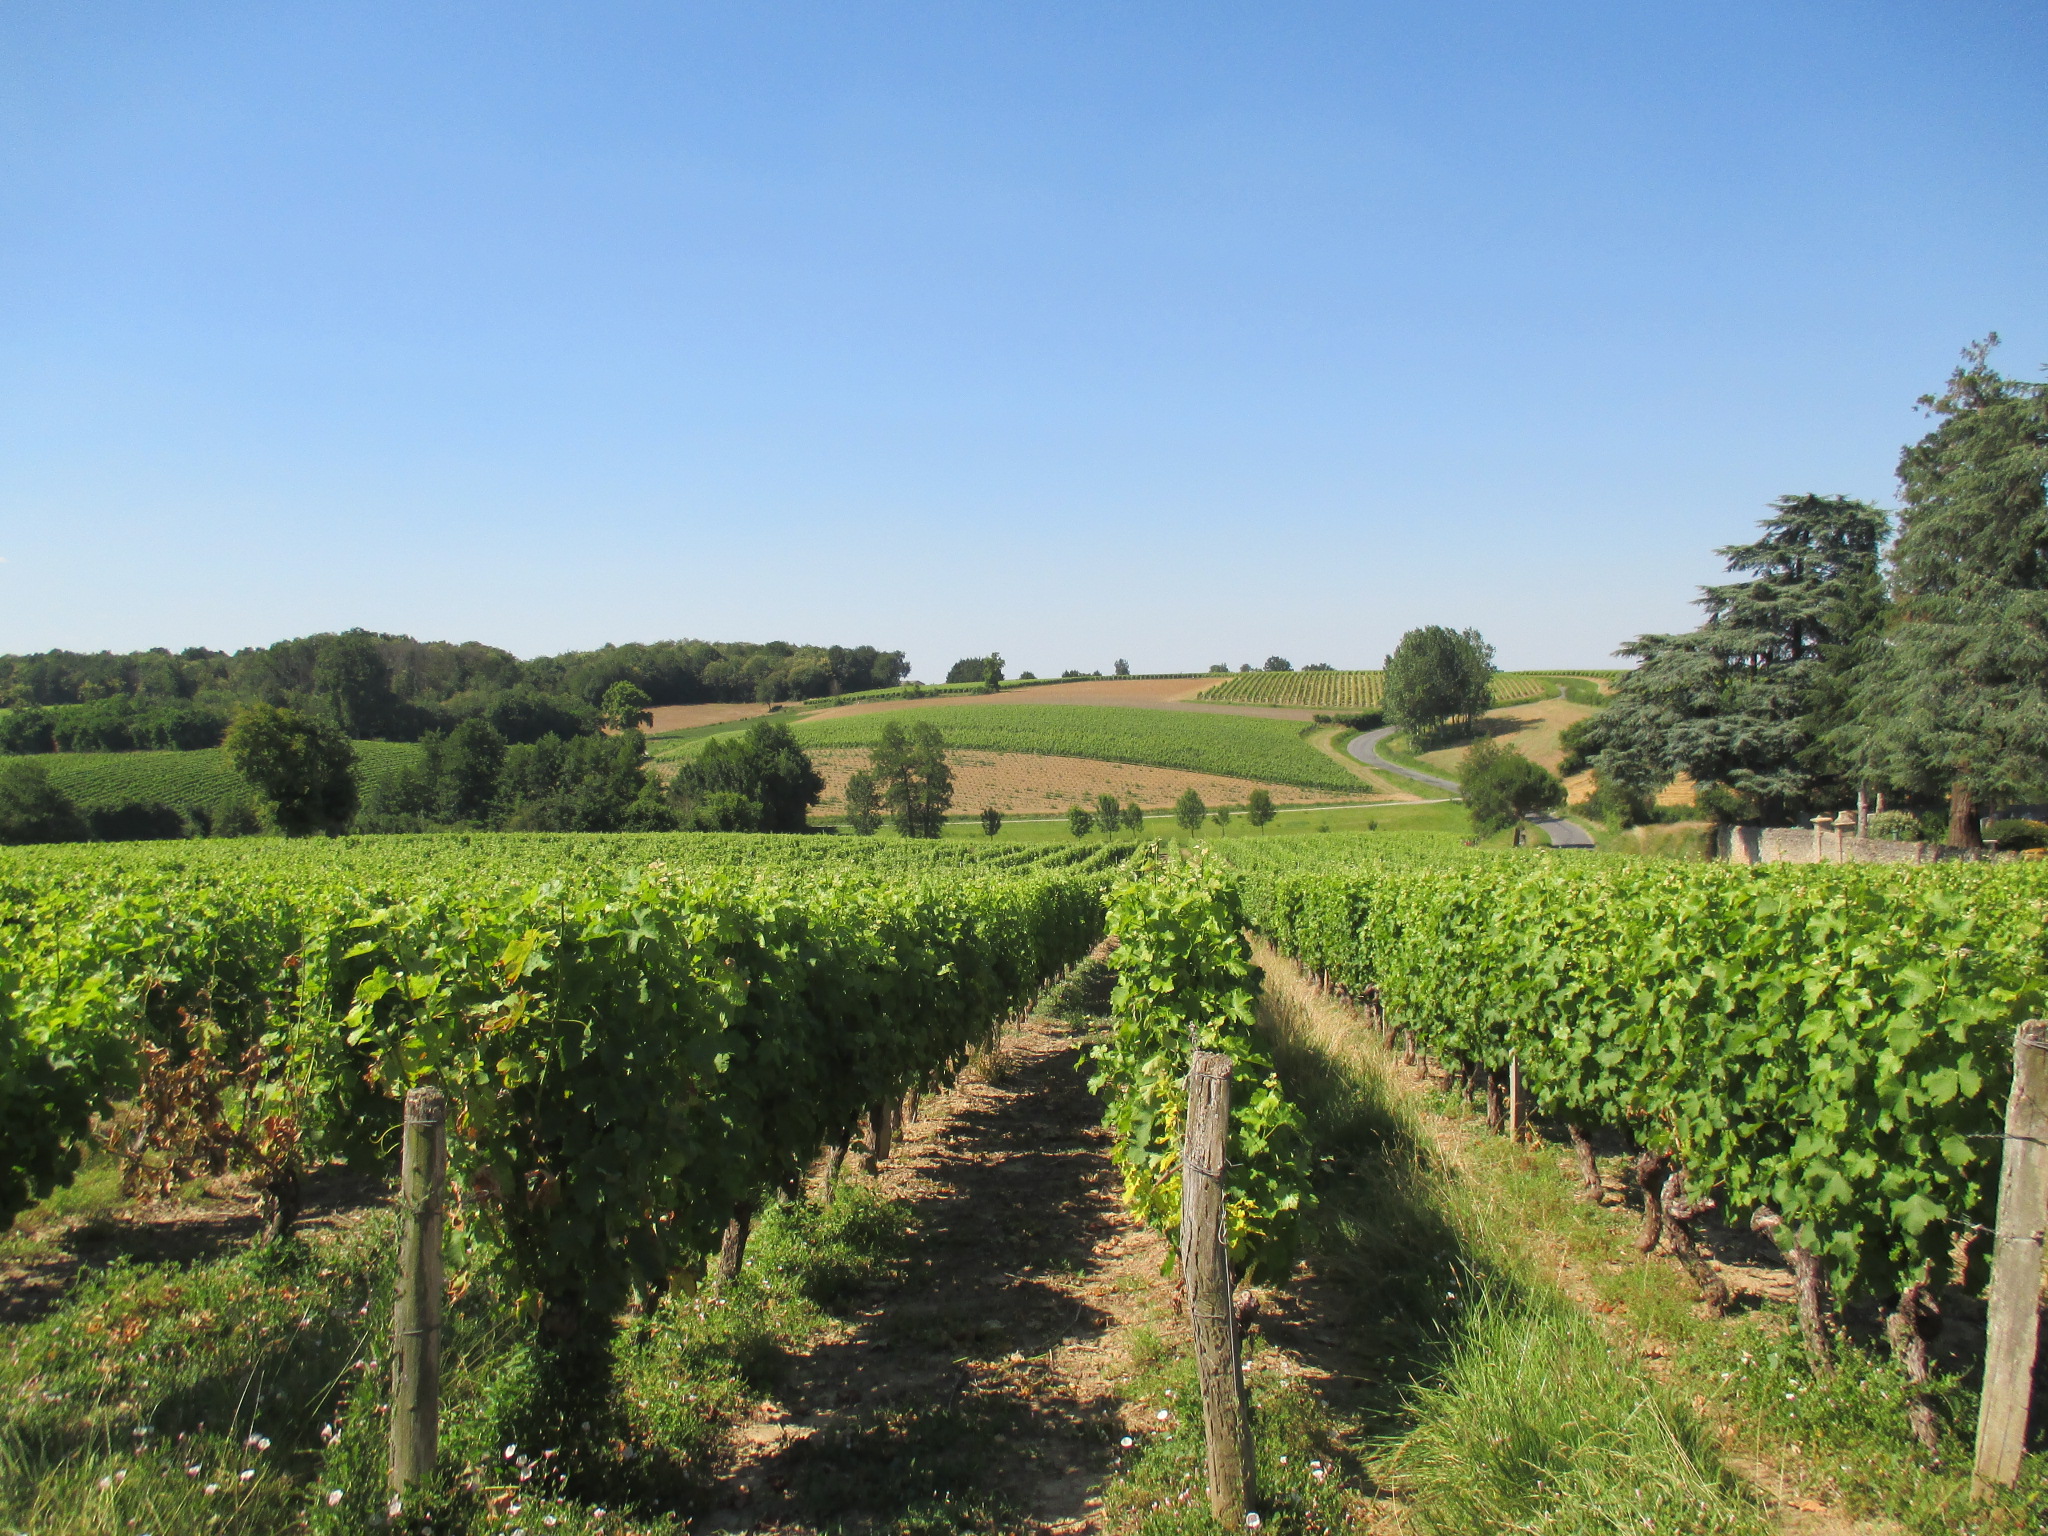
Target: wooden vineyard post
1205,1266
416,1310
2010,1333
1514,1098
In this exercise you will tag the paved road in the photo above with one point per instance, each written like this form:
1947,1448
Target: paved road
1365,747
1564,834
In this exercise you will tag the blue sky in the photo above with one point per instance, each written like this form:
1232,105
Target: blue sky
1179,332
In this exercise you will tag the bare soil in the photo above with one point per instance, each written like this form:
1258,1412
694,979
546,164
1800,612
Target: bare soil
1027,784
682,717
1011,1330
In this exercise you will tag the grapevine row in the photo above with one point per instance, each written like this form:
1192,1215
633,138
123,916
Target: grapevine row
1832,1042
632,1047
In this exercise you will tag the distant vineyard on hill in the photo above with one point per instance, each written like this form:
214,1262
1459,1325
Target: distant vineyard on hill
197,784
1232,745
1338,692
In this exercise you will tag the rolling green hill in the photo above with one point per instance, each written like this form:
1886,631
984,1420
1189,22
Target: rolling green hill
199,785
1236,745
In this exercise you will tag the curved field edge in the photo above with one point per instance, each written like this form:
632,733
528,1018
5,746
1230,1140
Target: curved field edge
1363,690
1233,746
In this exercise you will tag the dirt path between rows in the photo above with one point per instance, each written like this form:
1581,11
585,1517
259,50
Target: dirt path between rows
995,1361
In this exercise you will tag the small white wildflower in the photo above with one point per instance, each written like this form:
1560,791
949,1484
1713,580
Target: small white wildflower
333,1497
107,1483
1128,1442
1161,1414
212,1489
1251,1519
248,1473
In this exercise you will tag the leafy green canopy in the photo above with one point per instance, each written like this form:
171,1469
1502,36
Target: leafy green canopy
1755,703
759,782
33,810
302,768
911,774
1185,981
1438,678
1500,786
636,1033
1834,1041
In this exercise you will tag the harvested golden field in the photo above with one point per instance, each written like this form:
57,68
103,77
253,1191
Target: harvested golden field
681,717
1026,784
1137,692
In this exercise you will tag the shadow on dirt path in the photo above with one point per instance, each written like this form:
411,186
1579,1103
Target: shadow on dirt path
977,1391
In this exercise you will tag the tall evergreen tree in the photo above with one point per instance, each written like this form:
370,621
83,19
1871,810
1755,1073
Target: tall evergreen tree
1959,699
1756,705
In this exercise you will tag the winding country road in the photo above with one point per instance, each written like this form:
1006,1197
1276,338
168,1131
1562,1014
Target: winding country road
1365,747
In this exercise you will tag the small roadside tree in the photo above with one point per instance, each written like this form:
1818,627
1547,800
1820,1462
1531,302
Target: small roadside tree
1134,817
1258,808
1437,678
991,820
1221,816
625,706
1109,814
1079,821
303,769
864,804
992,673
1123,668
1190,812
1501,787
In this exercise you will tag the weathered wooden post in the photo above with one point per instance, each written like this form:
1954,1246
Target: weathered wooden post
416,1310
1205,1264
1514,1098
2010,1332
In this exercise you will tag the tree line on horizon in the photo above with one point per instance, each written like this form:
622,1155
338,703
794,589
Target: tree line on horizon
377,687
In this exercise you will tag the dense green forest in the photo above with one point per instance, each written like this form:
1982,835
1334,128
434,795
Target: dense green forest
377,687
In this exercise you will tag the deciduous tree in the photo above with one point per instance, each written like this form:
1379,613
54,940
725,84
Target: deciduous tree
1438,678
991,820
1109,813
1190,812
1079,821
765,766
911,771
1501,786
864,805
625,706
303,769
1258,808
33,810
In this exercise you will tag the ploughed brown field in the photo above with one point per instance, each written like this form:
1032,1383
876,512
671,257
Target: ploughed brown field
1027,784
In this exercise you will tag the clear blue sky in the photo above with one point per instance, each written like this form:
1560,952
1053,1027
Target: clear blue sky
1180,332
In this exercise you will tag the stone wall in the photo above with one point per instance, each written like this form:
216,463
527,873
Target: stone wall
1796,845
